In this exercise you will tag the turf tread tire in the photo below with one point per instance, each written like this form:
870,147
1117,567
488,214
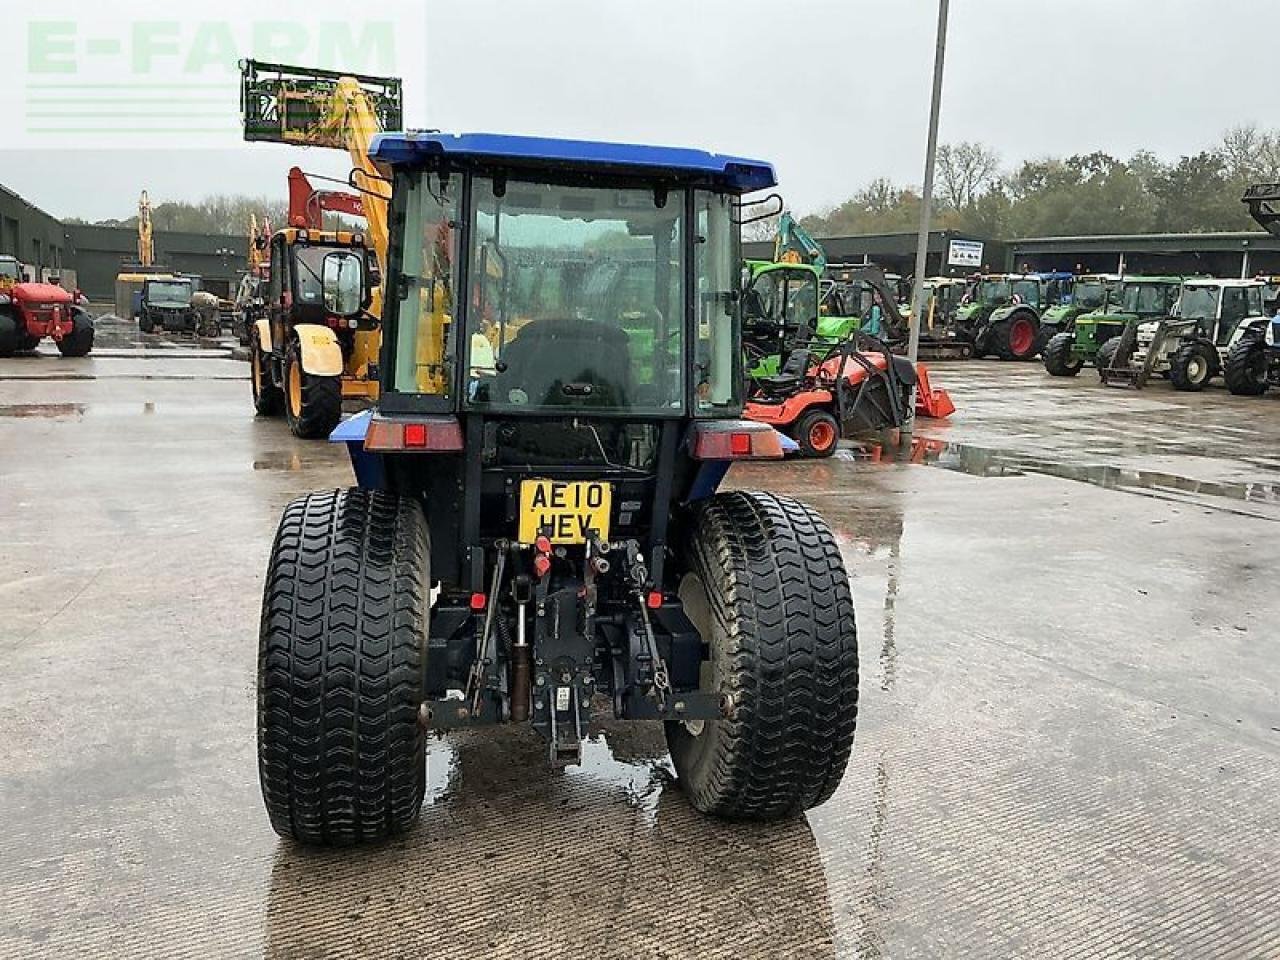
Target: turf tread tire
1239,372
341,755
785,636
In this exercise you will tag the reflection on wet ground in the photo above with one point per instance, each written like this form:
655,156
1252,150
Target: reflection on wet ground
51,410
1067,745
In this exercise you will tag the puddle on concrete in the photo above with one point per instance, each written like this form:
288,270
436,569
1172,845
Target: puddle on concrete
289,462
979,461
641,782
42,410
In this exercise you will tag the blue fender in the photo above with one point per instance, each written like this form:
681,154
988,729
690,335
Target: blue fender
368,467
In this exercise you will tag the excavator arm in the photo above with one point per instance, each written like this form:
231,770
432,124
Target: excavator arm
793,244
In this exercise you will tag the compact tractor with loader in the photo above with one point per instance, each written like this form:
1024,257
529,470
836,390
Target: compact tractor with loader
29,312
174,305
1191,346
319,344
1095,336
537,534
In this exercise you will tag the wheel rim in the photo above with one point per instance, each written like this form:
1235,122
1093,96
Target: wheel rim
255,370
295,390
1021,336
1196,368
822,435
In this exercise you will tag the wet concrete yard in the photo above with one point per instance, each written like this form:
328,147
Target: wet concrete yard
1069,741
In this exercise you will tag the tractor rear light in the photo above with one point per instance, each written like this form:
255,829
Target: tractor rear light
543,544
479,601
654,600
734,440
431,435
541,565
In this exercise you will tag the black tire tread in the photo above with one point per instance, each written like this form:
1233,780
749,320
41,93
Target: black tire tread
340,671
1058,358
269,402
999,339
1178,368
1237,373
805,424
321,401
80,341
780,597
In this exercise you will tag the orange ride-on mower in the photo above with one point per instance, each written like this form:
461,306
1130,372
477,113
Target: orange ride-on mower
852,389
29,312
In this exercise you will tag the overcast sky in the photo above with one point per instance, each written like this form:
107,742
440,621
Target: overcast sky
834,92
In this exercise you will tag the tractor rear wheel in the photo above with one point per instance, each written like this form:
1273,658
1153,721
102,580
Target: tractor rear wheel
268,399
1060,357
79,341
768,591
818,434
1246,370
1016,336
312,404
1192,366
341,668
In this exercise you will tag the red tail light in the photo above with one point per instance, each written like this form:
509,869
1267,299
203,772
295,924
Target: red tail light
734,440
428,434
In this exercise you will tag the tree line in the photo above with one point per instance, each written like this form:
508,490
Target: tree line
225,215
1085,194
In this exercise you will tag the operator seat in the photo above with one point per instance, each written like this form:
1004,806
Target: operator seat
559,361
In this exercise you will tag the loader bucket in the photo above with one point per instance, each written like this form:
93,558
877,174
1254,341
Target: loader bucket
932,402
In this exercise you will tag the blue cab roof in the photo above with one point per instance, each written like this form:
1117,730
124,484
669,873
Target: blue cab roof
732,174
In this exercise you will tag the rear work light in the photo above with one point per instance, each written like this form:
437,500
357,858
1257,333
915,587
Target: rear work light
734,440
425,434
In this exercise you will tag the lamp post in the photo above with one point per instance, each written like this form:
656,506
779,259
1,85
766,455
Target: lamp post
926,207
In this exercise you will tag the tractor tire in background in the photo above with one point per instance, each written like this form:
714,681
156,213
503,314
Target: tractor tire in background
312,405
1016,336
341,755
210,328
1192,366
79,341
768,590
268,399
1246,368
8,335
1107,354
818,434
146,324
242,329
1059,355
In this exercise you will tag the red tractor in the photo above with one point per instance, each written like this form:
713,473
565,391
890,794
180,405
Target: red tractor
29,312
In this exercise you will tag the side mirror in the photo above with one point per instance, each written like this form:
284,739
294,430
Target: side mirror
343,280
373,270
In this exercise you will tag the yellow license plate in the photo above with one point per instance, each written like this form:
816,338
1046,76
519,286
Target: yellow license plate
565,511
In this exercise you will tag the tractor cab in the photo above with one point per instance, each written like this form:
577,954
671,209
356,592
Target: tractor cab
781,306
10,273
320,277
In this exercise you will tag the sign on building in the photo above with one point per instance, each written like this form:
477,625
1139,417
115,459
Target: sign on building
965,253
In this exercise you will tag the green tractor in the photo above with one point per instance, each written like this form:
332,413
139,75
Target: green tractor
780,300
1095,336
1001,313
1089,294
